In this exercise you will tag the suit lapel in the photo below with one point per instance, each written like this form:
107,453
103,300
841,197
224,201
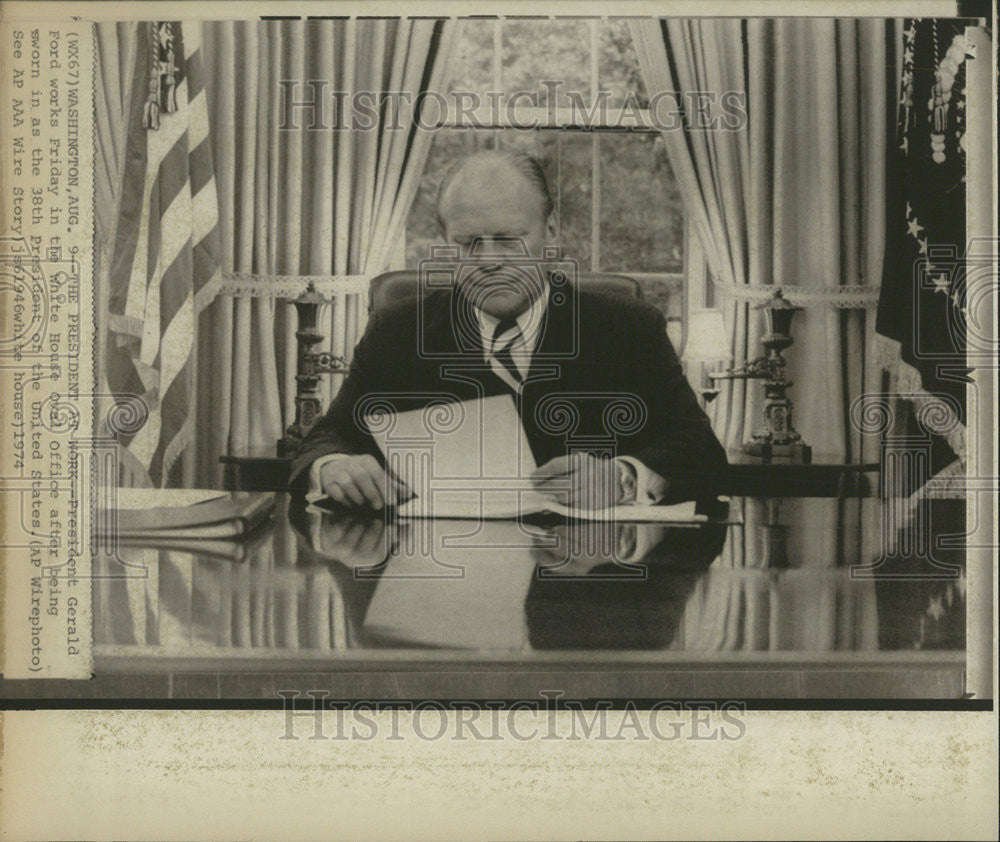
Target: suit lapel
436,331
557,343
451,333
455,358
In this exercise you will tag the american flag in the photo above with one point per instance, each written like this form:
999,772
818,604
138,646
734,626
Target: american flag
166,250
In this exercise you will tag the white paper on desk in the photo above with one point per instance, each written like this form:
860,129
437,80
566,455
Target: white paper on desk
477,464
468,457
499,505
638,513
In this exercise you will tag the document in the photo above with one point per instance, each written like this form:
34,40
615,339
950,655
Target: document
472,460
456,445
494,504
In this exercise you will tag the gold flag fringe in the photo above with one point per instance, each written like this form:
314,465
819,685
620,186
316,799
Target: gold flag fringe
162,96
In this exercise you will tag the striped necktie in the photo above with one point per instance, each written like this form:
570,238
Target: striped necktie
504,336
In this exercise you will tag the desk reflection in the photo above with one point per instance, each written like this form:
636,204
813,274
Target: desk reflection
511,586
327,586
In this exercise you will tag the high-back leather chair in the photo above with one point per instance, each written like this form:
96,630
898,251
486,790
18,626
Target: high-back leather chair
390,287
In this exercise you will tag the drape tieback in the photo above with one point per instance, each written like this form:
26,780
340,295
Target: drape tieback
856,297
251,285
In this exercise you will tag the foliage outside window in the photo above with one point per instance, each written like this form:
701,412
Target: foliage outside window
617,203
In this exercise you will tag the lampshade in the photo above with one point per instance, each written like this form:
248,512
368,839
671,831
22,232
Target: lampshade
707,337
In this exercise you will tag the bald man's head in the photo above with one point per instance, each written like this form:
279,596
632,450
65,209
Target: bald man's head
491,169
496,207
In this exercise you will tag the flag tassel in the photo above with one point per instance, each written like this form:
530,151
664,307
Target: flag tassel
151,113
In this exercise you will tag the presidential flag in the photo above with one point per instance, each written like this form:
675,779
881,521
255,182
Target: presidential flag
922,303
166,250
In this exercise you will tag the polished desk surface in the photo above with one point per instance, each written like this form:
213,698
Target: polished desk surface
264,470
780,602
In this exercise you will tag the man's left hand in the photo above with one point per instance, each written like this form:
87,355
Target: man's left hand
581,481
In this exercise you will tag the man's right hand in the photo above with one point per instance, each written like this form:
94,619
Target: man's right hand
360,481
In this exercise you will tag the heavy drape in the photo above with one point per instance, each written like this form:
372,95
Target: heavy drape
793,197
299,199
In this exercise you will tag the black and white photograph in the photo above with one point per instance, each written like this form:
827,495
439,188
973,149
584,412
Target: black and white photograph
634,372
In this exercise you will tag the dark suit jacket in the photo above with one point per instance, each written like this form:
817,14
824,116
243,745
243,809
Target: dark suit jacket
603,372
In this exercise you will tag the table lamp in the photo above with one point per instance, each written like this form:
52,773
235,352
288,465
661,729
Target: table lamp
310,366
777,438
707,342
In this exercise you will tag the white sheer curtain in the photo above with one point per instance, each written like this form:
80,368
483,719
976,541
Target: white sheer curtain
301,201
794,197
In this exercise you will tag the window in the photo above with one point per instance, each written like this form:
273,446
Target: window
528,85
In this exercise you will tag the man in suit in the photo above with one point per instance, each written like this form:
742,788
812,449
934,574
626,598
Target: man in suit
581,366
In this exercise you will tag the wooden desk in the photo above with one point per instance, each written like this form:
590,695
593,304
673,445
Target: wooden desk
765,609
256,472
747,478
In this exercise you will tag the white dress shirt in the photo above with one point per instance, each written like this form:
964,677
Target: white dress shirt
522,349
639,483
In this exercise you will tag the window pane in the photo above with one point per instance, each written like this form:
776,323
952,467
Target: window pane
537,50
528,141
472,61
571,176
642,219
565,158
618,64
667,294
